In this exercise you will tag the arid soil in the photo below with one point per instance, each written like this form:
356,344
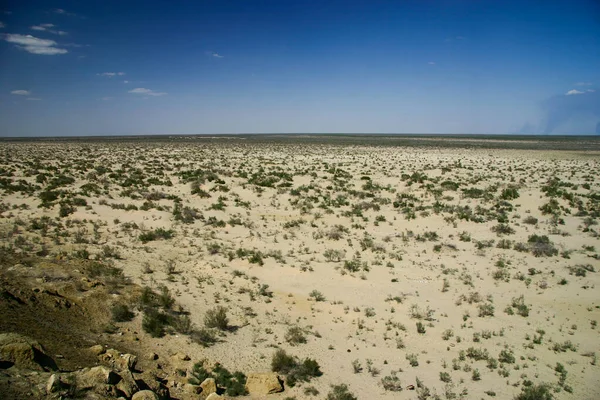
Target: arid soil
404,272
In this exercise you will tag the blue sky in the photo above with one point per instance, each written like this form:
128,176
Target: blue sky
218,66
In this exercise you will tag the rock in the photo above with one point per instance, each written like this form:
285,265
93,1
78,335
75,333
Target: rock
97,349
208,386
152,356
24,352
127,384
127,361
181,357
192,389
96,376
263,383
110,355
119,361
214,396
54,384
145,395
157,386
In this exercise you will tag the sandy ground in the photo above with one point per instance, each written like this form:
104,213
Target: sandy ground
395,218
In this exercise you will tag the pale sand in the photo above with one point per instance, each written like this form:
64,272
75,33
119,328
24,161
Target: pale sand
303,267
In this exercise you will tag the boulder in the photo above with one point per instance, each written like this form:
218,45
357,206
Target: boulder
127,362
208,386
145,395
89,378
97,349
263,383
119,361
192,389
158,387
24,352
54,384
214,396
127,384
181,357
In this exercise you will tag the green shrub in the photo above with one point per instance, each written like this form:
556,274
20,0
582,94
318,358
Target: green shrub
486,310
217,318
282,362
391,383
503,229
510,193
295,335
541,246
413,360
159,233
233,383
204,337
66,209
317,296
445,377
293,369
506,356
155,322
536,392
340,392
121,313
198,374
477,354
581,269
519,304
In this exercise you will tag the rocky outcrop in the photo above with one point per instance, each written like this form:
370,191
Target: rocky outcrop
119,361
89,378
208,386
24,352
263,383
145,395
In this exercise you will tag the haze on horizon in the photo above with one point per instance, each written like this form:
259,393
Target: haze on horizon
208,67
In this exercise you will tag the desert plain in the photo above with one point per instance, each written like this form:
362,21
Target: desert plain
450,269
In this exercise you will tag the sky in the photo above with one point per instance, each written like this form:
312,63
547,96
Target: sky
285,66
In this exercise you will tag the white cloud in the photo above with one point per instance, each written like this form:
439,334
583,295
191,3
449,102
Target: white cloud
583,84
572,92
34,45
47,51
111,74
217,55
2,25
21,92
47,28
591,90
431,63
125,81
28,40
61,11
147,92
106,98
